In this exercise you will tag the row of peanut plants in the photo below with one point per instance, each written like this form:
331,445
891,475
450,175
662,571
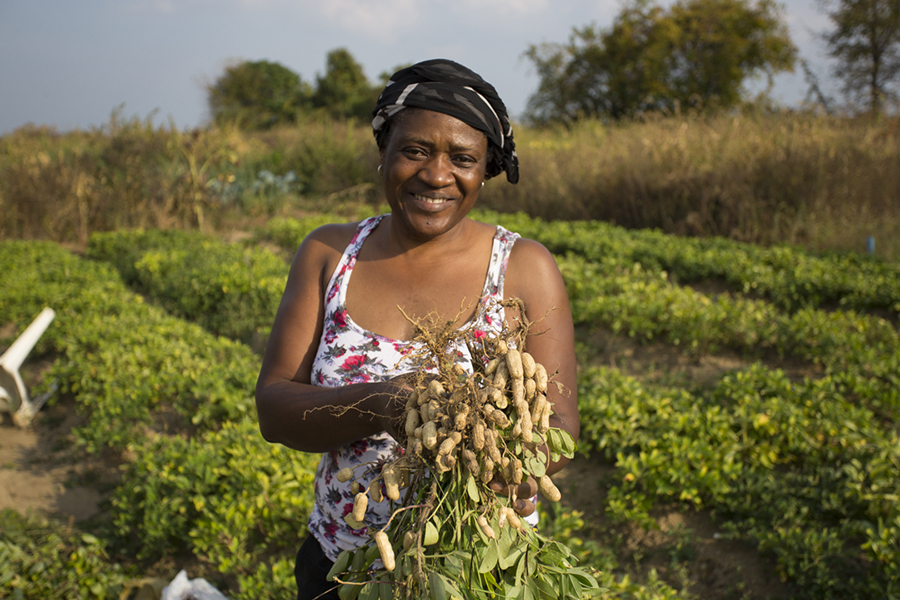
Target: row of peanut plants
668,444
788,277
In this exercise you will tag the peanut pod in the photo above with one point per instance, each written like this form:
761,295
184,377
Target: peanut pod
514,364
540,377
429,435
385,549
412,421
549,489
359,506
485,527
528,365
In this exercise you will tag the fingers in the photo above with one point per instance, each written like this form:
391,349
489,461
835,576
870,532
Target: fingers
527,489
524,493
395,393
524,507
524,504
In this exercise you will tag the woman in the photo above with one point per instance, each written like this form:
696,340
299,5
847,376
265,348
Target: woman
331,379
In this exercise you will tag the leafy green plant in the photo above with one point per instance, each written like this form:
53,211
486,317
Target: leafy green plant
43,559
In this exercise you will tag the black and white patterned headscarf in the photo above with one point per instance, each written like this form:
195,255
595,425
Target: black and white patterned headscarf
447,87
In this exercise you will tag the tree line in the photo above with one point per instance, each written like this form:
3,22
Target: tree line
693,54
262,94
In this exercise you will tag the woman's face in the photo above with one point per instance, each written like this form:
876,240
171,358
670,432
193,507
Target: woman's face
433,167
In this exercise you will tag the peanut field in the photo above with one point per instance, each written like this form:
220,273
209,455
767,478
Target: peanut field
739,407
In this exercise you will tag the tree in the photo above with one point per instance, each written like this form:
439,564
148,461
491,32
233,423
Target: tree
344,90
866,43
698,52
258,95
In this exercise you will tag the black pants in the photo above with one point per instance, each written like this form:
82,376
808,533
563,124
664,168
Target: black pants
310,571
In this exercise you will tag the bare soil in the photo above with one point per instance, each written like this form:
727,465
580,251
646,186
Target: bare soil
42,471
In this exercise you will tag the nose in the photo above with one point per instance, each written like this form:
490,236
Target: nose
437,171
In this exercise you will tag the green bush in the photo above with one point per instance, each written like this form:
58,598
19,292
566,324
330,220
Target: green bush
40,558
227,496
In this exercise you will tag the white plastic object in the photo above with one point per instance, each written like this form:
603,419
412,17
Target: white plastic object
13,395
182,588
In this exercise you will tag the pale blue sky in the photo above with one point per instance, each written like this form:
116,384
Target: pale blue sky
70,63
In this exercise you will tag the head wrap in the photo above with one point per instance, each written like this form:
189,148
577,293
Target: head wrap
447,87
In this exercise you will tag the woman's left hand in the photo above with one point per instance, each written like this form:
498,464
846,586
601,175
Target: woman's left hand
524,493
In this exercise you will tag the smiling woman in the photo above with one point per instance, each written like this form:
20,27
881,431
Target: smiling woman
333,375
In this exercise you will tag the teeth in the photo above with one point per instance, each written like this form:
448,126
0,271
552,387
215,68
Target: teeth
430,200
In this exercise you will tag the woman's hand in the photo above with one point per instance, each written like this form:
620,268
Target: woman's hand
524,493
397,392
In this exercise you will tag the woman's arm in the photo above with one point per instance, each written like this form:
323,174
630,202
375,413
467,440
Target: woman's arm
291,410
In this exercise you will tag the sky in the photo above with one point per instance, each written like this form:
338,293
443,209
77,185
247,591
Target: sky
71,63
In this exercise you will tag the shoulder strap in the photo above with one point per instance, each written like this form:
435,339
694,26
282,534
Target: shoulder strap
337,287
493,284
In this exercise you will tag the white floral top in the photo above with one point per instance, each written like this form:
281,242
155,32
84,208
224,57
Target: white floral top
349,354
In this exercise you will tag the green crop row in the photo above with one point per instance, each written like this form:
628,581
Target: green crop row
226,288
229,289
44,559
646,305
288,233
130,366
797,467
228,496
789,277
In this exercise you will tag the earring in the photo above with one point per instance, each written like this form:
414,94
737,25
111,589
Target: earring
482,184
379,170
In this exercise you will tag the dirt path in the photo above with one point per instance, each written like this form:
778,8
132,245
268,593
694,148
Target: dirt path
38,472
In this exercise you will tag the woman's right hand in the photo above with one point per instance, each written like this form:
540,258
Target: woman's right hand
397,392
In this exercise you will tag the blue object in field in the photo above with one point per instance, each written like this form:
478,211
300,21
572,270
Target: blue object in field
870,244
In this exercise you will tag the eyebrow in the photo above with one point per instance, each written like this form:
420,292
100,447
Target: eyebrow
453,146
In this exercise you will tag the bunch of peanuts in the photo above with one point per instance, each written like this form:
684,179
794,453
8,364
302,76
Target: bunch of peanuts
468,417
478,419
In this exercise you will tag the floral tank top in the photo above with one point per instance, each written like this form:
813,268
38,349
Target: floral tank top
349,354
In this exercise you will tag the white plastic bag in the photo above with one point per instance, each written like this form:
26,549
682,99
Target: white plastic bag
195,589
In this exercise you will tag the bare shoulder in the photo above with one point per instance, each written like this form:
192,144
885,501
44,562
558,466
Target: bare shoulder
533,276
526,250
333,236
531,265
323,247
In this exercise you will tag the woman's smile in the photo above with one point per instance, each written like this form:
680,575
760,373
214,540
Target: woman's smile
431,200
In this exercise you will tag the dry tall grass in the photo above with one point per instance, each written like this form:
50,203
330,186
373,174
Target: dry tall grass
820,182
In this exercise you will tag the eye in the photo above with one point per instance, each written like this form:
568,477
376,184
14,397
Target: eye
465,160
414,152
